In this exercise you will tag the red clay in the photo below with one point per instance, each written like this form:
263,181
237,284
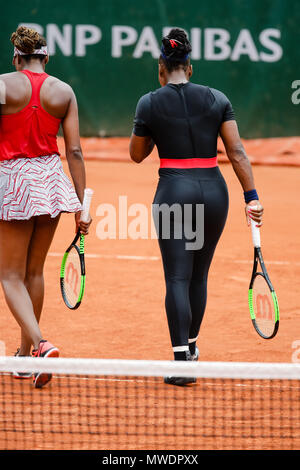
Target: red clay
124,298
122,314
282,151
129,413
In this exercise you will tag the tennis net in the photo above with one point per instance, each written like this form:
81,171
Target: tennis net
123,404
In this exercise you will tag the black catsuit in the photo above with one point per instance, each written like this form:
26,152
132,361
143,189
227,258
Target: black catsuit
184,122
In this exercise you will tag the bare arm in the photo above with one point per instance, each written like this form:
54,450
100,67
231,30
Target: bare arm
241,165
70,125
237,155
140,147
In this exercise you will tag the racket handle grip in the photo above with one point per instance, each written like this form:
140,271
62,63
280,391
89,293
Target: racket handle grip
87,199
255,234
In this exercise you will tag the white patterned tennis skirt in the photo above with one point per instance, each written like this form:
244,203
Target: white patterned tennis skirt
35,186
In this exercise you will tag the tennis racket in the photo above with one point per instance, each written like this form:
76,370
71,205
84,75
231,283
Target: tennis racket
263,304
72,272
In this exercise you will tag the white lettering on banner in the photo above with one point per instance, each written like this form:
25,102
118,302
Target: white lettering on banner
211,44
216,38
122,36
86,35
196,42
244,46
62,39
274,47
296,95
147,43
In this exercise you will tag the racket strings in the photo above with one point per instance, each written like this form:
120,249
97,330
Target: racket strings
263,305
72,277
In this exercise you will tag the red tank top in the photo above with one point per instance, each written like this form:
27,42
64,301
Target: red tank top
32,131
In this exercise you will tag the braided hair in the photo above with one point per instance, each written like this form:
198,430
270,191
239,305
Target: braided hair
175,50
27,40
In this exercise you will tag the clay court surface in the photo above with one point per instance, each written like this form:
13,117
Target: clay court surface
122,317
122,314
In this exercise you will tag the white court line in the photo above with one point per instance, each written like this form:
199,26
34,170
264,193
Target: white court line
126,257
205,381
278,263
239,279
157,258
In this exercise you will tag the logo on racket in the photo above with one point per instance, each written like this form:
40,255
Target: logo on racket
264,307
72,277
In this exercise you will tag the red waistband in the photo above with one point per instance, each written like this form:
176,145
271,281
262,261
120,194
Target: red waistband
185,163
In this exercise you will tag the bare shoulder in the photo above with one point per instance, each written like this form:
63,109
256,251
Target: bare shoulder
56,94
58,86
7,77
14,88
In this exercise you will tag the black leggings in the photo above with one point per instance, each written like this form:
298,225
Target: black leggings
185,270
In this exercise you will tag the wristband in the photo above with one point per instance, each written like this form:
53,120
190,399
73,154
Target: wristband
250,195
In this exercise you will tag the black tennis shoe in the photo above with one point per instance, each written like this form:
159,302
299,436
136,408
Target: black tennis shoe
180,381
195,357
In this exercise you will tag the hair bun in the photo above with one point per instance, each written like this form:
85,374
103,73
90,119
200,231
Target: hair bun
176,45
25,39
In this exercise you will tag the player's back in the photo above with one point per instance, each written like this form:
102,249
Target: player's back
184,120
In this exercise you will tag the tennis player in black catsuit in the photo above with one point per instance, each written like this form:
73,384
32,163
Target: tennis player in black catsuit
184,120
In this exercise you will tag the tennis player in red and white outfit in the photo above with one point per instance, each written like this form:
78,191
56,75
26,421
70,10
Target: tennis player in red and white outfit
34,189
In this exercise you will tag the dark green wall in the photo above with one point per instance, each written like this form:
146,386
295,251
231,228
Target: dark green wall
258,63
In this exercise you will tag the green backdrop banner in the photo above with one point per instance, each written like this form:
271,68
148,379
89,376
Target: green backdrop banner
107,50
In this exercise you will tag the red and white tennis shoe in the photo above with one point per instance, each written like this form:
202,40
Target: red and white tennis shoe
45,349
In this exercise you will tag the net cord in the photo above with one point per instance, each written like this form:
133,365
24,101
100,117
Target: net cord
117,367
